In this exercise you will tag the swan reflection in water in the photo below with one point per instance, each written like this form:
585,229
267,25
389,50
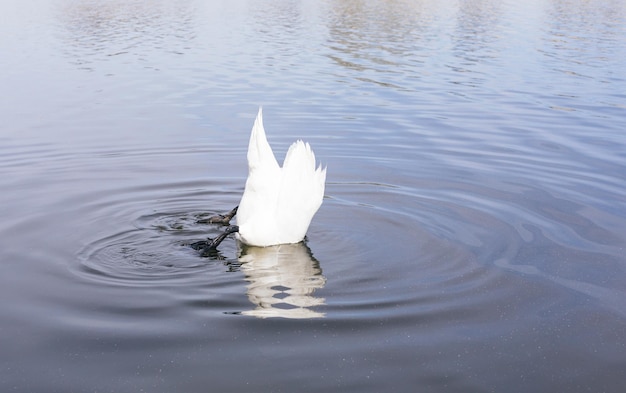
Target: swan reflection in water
282,280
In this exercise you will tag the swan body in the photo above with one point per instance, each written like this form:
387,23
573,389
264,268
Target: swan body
278,203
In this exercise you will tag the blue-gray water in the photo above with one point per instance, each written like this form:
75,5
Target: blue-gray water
472,234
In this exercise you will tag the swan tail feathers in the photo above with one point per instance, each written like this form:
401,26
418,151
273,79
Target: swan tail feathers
260,153
302,188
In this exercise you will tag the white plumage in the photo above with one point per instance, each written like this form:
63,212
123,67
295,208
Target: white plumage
278,203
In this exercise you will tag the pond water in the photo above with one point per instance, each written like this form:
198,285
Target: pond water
473,228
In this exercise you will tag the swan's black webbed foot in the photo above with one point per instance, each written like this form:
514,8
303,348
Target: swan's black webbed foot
209,246
223,219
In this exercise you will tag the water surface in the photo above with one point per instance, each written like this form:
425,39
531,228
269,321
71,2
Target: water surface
471,236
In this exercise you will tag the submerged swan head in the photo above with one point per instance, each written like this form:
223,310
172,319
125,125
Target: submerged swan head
278,203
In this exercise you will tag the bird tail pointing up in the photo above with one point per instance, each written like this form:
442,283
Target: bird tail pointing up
259,151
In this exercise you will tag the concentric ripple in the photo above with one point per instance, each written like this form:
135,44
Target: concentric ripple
156,249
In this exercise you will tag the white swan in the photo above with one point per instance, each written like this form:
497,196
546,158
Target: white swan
278,204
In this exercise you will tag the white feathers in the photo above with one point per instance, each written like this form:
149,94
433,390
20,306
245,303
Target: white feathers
278,203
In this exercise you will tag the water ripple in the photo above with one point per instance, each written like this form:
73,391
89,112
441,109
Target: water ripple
472,232
155,251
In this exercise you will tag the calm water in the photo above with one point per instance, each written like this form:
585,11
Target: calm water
471,238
